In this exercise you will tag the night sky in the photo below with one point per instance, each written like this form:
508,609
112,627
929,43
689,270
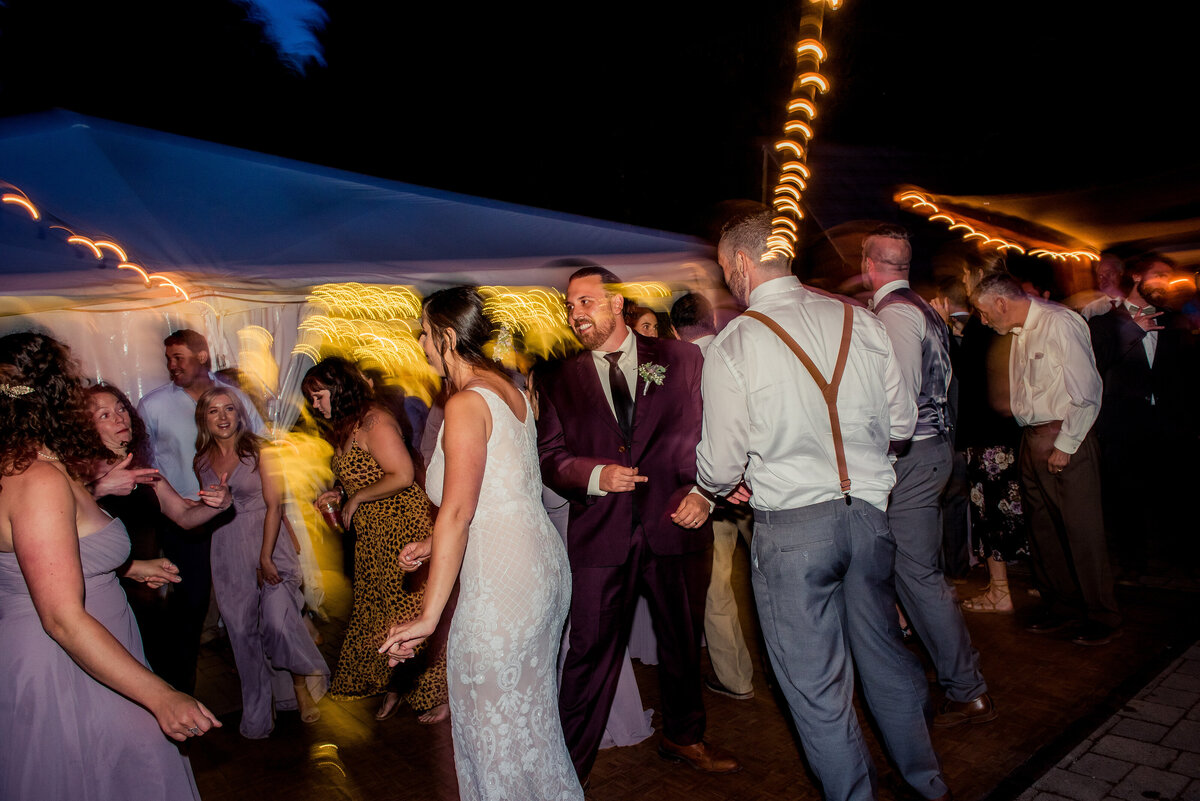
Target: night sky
648,113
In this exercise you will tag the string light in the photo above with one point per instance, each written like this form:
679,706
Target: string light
800,105
813,79
125,265
920,204
795,126
105,244
87,243
812,47
787,144
22,202
796,166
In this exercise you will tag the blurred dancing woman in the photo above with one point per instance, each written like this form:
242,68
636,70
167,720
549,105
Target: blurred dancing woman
75,691
130,490
255,572
388,510
516,582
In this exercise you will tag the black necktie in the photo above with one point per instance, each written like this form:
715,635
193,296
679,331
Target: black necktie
622,402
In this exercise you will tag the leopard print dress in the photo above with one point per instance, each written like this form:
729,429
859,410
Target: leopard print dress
384,594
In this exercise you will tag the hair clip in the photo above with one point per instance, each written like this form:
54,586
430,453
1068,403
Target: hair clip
15,390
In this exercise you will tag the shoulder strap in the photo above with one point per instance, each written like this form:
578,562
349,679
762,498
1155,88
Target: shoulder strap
829,389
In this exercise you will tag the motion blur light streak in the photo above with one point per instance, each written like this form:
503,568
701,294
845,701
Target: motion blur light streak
89,244
814,79
920,203
24,203
802,105
796,166
795,126
813,47
125,265
787,144
105,244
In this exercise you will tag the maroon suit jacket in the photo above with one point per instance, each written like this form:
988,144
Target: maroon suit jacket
577,431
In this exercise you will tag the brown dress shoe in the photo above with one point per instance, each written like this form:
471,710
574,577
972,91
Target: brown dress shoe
702,756
977,710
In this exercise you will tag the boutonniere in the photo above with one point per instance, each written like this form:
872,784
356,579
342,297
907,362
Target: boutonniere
651,374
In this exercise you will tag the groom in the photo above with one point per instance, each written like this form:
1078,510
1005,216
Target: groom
617,431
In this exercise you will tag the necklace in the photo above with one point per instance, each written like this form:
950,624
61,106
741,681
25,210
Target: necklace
49,457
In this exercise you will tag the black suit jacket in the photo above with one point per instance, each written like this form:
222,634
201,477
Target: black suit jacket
1130,381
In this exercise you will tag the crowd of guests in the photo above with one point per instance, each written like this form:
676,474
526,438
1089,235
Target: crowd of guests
867,453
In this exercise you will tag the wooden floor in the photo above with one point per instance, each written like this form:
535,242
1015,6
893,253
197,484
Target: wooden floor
1049,692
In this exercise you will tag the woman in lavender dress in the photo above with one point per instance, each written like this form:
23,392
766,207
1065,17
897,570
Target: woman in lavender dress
80,714
256,572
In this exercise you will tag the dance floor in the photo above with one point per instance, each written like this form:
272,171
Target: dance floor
1050,694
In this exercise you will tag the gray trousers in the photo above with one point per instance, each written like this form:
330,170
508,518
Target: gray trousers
915,517
823,585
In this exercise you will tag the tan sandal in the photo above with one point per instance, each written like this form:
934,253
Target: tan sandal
1000,604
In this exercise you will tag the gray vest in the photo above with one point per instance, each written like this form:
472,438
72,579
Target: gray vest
933,415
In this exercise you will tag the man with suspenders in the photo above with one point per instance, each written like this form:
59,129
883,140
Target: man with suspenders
802,397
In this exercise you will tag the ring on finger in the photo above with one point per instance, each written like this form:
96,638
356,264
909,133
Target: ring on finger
194,731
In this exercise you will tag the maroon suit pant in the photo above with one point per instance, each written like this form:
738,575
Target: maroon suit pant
603,600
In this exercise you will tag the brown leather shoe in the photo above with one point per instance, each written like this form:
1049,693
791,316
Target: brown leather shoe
702,756
977,710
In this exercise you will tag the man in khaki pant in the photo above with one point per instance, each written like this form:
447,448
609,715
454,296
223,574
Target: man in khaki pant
692,316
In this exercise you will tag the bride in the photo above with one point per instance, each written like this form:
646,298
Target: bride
493,533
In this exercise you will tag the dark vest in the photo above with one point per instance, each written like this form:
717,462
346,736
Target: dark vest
933,415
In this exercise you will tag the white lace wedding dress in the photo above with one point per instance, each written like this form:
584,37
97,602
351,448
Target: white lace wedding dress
515,591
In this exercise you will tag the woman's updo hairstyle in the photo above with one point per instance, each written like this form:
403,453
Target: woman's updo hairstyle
460,309
42,403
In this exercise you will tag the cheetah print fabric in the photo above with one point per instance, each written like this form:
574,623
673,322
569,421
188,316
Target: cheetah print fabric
384,594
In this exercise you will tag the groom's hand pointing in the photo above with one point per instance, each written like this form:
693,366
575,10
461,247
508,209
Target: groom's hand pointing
616,478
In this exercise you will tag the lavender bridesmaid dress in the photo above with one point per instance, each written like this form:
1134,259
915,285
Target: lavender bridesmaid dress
62,733
268,637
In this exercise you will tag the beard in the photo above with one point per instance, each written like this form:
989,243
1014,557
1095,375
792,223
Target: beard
739,287
1155,294
595,336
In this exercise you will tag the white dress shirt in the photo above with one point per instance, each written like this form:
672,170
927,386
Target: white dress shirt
766,422
627,364
1052,373
1150,340
169,413
905,326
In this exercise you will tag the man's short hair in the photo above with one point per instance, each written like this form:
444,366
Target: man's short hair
1139,264
886,231
607,277
192,340
999,284
693,311
747,233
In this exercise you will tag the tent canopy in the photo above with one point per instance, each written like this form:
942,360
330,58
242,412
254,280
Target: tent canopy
218,216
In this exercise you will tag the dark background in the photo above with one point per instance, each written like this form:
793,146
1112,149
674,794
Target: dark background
648,113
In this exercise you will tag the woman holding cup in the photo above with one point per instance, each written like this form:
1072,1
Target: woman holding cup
388,510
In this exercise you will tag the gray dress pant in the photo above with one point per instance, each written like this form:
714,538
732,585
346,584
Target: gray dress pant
915,517
823,585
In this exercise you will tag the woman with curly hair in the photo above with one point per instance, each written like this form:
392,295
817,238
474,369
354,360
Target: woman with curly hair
255,572
126,487
388,510
78,707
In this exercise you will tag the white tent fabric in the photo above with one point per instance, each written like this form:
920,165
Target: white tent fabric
247,236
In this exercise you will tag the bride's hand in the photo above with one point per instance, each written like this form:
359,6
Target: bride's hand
404,638
415,554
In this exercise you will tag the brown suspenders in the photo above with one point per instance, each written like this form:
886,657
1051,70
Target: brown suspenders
829,389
